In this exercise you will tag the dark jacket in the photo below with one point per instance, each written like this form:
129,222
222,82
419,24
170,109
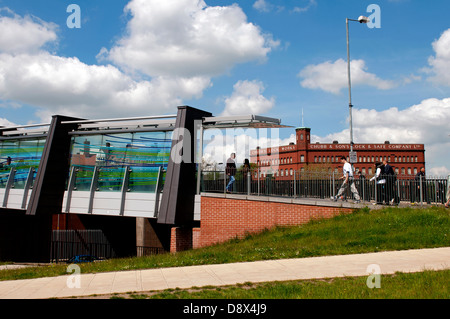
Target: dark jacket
230,168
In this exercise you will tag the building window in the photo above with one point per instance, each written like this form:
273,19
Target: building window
302,158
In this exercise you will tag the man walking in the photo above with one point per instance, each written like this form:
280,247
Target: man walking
390,191
348,180
231,171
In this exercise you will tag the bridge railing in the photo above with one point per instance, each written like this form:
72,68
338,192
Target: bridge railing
126,190
402,188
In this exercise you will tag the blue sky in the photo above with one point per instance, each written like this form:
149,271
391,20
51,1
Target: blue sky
273,58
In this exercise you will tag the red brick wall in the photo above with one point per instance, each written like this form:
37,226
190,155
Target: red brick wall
180,239
223,219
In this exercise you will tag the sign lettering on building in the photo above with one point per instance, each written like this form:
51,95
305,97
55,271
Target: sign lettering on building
397,147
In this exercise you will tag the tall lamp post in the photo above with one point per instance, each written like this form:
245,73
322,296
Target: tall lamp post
361,19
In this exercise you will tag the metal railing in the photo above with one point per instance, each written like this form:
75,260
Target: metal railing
385,189
68,243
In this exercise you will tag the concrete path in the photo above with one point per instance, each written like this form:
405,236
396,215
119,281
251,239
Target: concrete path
226,274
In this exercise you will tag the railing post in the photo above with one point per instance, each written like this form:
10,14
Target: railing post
199,161
397,182
334,186
9,185
70,187
248,182
225,181
93,189
158,189
376,188
420,190
295,187
27,187
259,189
125,189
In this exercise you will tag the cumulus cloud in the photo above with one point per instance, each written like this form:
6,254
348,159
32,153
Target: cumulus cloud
68,86
5,123
247,98
178,47
424,123
262,6
332,76
440,63
24,34
187,38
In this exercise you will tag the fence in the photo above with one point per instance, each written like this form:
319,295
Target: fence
68,243
404,188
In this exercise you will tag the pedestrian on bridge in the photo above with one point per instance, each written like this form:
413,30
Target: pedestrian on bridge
348,180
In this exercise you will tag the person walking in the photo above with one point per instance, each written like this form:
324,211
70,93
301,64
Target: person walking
231,171
390,193
380,182
348,180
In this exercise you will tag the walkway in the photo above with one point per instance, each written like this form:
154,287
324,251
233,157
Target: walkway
227,274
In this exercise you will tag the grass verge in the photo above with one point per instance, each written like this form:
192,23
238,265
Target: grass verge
360,232
421,285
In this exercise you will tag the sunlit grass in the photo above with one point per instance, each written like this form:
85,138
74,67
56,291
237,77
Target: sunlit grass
421,285
360,232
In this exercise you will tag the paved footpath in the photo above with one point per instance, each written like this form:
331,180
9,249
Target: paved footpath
227,274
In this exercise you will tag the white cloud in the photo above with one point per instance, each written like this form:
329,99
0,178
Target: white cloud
5,123
179,46
71,87
424,123
310,4
24,34
332,76
262,6
247,98
440,63
187,38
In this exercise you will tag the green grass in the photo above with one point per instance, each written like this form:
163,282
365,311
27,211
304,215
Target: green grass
421,285
361,232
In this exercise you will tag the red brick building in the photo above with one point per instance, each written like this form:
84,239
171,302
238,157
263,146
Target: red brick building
282,161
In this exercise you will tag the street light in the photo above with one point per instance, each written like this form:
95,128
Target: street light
361,19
